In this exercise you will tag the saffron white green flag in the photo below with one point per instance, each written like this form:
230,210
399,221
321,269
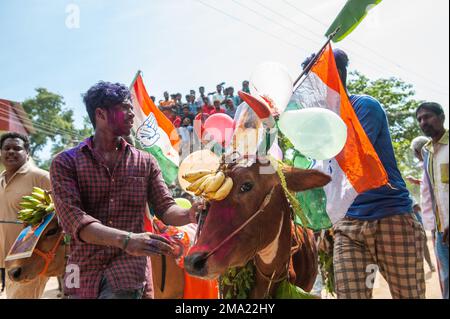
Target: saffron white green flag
154,131
357,168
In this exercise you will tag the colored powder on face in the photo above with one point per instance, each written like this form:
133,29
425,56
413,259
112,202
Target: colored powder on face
116,118
224,218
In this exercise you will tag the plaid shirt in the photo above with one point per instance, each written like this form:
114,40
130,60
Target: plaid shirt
85,191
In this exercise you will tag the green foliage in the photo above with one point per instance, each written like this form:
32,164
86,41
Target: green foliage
237,282
397,98
286,290
327,271
53,124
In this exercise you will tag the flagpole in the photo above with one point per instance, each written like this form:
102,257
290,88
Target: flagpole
139,72
313,61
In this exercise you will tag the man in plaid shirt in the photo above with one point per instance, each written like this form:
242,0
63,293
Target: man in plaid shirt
101,189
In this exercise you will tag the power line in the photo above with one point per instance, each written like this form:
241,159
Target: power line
380,68
42,130
40,127
251,25
370,64
275,22
43,124
369,49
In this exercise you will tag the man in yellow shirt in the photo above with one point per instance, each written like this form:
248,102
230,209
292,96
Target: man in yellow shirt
17,180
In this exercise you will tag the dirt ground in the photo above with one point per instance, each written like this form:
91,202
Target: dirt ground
381,289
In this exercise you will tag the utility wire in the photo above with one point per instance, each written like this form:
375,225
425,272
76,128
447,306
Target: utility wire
252,26
362,45
38,127
43,124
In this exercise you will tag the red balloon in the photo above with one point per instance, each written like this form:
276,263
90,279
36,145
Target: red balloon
219,127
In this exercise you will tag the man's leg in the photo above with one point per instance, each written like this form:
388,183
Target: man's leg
442,258
3,272
351,260
399,249
427,255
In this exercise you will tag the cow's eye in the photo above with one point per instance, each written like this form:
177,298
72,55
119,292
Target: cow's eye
51,232
246,187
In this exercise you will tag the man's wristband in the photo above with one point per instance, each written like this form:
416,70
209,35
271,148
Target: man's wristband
126,241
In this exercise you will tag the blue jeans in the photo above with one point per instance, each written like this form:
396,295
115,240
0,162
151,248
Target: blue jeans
442,259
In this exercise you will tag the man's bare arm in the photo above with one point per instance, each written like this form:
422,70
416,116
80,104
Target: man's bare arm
143,244
178,216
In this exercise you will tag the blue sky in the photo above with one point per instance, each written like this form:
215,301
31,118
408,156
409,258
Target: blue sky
182,44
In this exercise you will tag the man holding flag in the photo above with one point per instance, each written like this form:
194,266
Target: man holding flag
367,200
101,189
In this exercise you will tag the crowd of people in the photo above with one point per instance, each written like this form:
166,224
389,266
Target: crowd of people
183,113
101,205
189,115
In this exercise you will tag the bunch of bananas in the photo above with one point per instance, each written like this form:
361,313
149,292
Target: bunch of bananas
35,207
211,185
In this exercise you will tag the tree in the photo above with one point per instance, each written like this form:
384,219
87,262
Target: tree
397,98
53,123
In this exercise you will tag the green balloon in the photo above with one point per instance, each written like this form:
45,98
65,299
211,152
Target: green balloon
183,202
315,132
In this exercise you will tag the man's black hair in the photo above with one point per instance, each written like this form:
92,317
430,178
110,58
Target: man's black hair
434,107
24,138
104,95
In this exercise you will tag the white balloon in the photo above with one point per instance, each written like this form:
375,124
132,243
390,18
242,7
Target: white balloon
271,81
315,132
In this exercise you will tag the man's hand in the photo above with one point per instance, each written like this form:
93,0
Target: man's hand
196,208
445,236
147,244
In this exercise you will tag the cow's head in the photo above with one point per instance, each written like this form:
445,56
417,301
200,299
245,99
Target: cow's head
251,185
27,269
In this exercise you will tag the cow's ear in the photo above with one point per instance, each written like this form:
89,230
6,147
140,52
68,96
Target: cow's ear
298,179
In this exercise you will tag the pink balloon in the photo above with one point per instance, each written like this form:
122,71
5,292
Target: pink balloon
219,127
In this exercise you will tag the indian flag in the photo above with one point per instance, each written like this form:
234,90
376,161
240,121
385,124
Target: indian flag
357,168
154,131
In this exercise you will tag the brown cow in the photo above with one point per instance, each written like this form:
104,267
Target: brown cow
168,283
51,240
254,223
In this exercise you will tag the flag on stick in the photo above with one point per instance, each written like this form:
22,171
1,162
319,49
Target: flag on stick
357,168
350,17
154,131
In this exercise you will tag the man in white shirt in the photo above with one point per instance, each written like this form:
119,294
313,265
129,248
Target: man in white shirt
431,119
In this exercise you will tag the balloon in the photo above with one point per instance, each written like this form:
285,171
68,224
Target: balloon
272,82
262,111
183,202
276,151
315,132
219,127
248,131
203,159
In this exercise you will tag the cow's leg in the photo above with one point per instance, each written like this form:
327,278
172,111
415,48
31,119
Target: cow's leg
305,260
